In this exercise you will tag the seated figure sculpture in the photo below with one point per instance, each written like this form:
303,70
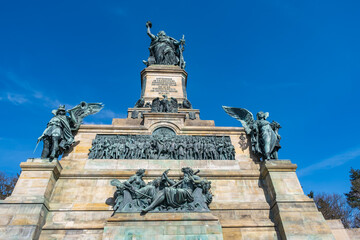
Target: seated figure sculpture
178,193
165,50
190,194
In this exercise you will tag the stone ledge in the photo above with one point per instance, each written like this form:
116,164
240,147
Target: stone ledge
180,110
227,224
277,166
302,204
211,174
79,207
127,121
136,217
247,224
198,122
78,227
101,129
164,116
214,206
38,164
164,68
239,206
25,200
192,130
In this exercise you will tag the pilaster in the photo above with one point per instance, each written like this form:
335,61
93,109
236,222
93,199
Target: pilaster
295,215
23,213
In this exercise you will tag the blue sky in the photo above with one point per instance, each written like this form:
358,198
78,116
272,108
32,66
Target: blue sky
298,60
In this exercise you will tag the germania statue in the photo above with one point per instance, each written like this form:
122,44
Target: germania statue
265,139
165,50
57,136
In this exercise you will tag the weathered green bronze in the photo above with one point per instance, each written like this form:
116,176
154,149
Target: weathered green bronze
58,136
189,194
163,144
265,139
165,105
165,50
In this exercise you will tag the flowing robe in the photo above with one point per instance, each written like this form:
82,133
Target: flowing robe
164,50
176,197
266,138
59,126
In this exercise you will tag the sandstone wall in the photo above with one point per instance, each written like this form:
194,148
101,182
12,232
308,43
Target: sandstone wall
66,199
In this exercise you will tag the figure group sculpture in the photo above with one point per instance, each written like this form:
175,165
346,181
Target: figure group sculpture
161,147
165,50
164,105
58,136
265,139
190,193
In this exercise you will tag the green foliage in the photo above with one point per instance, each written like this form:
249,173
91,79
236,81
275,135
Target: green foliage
335,206
311,194
353,197
7,184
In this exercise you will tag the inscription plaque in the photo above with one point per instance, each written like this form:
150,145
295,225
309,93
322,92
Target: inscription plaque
163,85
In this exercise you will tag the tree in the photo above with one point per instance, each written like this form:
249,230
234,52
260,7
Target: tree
353,197
7,184
334,206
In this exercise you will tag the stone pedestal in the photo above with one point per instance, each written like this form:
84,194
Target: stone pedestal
157,80
171,120
163,226
23,213
143,110
295,214
340,233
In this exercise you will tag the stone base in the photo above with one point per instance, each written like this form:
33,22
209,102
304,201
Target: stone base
23,214
295,214
163,226
157,80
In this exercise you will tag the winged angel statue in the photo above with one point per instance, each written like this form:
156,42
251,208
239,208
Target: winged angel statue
57,136
264,135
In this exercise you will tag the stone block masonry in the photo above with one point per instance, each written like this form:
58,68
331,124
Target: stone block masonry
251,199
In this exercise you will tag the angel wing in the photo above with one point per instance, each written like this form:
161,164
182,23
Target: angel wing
79,112
241,114
140,103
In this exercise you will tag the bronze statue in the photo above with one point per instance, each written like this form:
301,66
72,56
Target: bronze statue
57,136
190,194
165,105
177,193
165,50
162,145
265,140
140,103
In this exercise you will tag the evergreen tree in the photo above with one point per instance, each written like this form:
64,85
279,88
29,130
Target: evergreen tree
353,197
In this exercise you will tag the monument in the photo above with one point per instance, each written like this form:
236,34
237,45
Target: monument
161,173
